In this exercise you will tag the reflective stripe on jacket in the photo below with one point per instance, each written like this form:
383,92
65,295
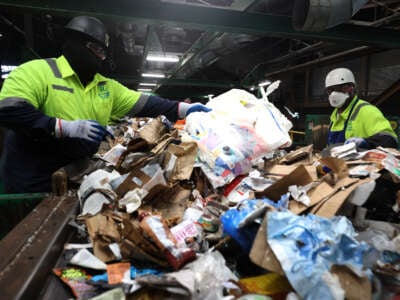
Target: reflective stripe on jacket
364,120
53,87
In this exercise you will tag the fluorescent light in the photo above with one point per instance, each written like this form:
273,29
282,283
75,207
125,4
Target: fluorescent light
144,90
264,83
7,68
153,75
148,84
162,58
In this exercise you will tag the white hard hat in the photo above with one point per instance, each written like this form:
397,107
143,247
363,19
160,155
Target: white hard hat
339,76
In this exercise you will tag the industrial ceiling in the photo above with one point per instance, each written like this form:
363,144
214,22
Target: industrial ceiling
213,45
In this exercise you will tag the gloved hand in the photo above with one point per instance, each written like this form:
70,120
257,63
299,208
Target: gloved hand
187,108
360,142
83,129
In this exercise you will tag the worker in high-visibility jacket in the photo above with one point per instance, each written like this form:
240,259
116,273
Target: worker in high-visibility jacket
353,119
57,109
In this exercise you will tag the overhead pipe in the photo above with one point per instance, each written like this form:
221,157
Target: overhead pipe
363,50
318,15
279,7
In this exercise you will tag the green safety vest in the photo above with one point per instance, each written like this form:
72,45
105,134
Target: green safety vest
364,120
52,87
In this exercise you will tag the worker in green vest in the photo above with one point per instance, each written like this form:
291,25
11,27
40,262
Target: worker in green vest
57,109
355,120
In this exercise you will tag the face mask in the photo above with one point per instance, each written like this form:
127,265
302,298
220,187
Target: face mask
337,99
82,60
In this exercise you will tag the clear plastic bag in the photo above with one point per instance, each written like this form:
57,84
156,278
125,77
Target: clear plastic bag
239,129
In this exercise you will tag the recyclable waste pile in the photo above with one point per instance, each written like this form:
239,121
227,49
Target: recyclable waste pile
217,209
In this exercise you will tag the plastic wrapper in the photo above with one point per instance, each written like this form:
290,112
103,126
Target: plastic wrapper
77,280
98,180
159,232
238,221
267,284
392,164
210,273
117,272
86,259
113,155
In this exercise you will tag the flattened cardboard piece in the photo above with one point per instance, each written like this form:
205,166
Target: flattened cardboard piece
102,251
201,181
102,231
186,155
343,183
284,170
337,165
153,131
316,195
299,176
163,143
134,233
135,179
134,160
130,250
355,287
261,253
155,193
330,207
135,145
304,154
171,204
101,225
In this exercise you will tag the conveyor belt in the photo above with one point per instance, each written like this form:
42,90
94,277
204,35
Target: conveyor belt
29,252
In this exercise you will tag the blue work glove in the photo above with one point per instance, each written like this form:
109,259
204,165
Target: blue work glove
82,129
187,108
360,142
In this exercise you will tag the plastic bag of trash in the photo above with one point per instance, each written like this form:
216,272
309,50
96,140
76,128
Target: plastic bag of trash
239,129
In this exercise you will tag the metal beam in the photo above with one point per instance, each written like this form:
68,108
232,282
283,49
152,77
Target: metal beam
244,5
179,82
389,92
341,56
198,46
208,19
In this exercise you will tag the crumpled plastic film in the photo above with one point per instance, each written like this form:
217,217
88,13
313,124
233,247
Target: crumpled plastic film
307,247
210,272
237,221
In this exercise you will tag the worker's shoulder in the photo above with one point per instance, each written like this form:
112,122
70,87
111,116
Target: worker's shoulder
34,65
365,108
109,81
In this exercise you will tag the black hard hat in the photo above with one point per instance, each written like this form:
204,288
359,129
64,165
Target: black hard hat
91,27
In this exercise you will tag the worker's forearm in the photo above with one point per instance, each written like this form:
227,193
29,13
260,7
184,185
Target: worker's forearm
381,139
154,106
19,115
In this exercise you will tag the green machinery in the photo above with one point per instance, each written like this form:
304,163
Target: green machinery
14,207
